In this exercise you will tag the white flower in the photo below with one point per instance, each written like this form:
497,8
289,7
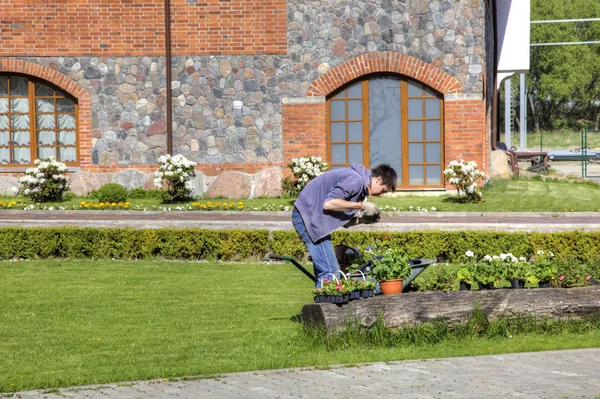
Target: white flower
14,189
522,259
550,253
540,252
469,254
487,257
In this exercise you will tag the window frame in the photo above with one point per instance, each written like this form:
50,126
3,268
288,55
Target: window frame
404,186
33,139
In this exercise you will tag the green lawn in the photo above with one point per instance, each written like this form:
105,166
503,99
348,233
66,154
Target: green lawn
516,195
84,322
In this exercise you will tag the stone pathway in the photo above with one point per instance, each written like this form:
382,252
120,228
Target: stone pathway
409,221
558,374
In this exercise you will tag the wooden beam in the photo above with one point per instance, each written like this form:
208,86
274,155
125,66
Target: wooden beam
456,306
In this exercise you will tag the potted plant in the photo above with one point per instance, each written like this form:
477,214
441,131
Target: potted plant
517,273
486,274
465,276
334,291
543,269
390,269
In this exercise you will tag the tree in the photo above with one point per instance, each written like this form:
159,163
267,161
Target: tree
563,84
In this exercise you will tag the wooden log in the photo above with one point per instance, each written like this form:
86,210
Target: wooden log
456,306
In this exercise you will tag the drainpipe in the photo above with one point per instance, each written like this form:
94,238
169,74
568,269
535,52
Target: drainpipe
168,68
494,85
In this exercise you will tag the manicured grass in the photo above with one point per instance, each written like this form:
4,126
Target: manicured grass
84,322
515,195
543,140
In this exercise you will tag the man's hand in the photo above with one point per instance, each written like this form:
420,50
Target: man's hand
370,209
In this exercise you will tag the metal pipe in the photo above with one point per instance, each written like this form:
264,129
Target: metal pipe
548,21
562,43
168,77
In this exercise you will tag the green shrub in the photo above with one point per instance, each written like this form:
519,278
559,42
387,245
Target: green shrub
140,193
112,192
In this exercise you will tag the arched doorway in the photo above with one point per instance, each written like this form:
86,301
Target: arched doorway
388,118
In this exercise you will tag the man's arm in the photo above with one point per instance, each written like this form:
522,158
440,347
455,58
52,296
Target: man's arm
338,205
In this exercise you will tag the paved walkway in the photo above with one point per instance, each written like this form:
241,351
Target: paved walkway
409,221
559,374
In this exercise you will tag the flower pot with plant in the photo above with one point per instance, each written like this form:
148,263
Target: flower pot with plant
465,276
390,268
486,274
543,269
517,272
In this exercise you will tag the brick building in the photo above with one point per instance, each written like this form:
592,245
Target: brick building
254,84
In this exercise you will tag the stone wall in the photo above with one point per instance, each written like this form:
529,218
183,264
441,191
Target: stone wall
227,110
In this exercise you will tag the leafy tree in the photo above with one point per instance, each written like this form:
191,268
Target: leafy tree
563,84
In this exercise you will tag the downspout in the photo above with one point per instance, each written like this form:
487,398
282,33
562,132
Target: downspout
494,77
168,68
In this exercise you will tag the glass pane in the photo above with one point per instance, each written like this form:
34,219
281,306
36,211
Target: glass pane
4,138
338,132
3,121
45,121
434,175
415,153
66,121
4,86
429,92
355,109
433,130
338,110
385,127
4,155
19,121
415,108
338,153
355,153
415,175
415,130
46,152
19,105
66,138
414,89
338,167
355,132
18,86
432,106
3,105
21,155
434,153
46,138
65,105
341,94
43,90
355,91
20,138
67,154
44,105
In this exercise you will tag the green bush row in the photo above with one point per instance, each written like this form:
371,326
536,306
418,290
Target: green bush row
119,243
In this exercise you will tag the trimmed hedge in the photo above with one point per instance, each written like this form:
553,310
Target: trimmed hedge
237,245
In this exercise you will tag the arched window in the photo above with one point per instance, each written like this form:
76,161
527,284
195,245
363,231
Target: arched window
37,120
388,119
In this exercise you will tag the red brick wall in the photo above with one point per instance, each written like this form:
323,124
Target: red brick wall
304,131
466,134
137,28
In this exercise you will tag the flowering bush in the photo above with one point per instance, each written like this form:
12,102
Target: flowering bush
464,176
46,182
175,173
304,170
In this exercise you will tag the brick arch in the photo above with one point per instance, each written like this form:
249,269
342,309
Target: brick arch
69,86
385,61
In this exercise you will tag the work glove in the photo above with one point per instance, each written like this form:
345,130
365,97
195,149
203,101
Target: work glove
366,219
370,209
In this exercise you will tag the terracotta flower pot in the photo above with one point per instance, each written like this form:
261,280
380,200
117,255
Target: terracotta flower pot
391,287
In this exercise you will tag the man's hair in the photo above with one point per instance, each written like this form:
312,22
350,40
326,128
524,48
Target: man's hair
388,175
